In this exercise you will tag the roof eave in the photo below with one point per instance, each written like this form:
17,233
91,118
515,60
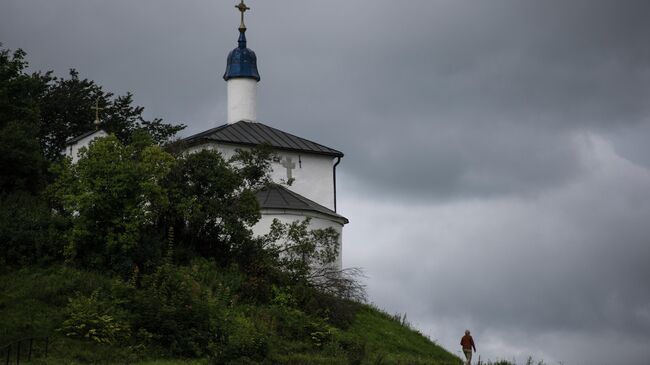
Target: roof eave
339,154
336,217
82,136
206,139
209,136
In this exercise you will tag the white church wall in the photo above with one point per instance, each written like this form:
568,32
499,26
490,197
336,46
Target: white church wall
312,175
318,221
72,150
312,178
205,146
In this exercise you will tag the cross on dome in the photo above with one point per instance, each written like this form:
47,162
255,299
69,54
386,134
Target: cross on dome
242,62
242,8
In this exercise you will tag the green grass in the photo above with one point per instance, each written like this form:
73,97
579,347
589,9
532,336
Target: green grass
32,302
386,338
64,361
32,299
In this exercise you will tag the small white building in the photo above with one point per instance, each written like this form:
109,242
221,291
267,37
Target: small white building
73,145
304,175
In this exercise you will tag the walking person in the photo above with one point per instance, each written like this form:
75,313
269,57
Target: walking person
467,342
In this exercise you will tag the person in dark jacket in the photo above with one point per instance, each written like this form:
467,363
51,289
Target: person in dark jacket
467,342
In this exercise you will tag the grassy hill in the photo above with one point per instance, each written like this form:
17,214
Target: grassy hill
52,301
163,266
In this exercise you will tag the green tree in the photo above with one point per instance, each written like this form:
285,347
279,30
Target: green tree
67,110
38,113
29,233
114,199
309,257
212,201
301,251
25,222
178,312
124,201
40,108
21,161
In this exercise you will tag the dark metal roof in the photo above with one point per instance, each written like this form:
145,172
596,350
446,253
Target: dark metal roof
80,137
253,134
276,196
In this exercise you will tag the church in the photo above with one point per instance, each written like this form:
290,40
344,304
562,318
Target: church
304,173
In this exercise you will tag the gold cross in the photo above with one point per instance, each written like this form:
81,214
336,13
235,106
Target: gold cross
242,7
97,109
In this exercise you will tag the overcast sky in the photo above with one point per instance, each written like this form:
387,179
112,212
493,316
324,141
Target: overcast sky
497,168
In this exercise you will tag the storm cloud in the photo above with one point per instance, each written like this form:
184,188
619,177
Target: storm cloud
568,264
497,168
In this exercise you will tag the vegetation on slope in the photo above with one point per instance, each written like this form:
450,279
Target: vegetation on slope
58,300
137,253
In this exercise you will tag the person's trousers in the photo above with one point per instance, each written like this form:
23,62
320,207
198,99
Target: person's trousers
468,356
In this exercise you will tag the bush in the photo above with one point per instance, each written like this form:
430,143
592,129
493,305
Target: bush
339,312
175,311
290,323
29,234
356,351
321,333
256,289
66,350
33,300
95,319
246,343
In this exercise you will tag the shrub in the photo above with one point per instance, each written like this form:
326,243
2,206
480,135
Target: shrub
175,311
356,351
256,289
29,234
290,323
321,333
339,312
246,343
95,319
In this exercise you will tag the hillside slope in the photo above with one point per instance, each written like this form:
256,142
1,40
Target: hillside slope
37,302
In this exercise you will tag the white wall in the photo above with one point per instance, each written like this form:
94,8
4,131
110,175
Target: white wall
314,180
313,174
72,150
318,221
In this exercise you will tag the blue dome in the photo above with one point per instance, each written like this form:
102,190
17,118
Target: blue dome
242,62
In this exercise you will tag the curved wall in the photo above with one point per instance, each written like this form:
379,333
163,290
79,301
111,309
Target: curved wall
318,221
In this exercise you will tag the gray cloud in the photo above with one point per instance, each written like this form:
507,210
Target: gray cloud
493,81
566,264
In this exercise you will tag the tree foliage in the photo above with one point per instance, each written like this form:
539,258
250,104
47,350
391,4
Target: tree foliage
29,233
125,200
299,250
114,199
175,310
309,256
212,204
38,113
67,110
21,160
